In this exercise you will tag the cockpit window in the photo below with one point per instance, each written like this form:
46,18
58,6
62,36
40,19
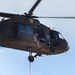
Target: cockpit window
55,35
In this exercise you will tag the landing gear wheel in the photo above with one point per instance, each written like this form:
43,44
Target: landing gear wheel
31,58
52,49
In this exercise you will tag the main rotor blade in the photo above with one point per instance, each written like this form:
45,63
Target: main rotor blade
58,17
8,15
33,7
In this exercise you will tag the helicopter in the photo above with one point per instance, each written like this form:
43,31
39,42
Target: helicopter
26,33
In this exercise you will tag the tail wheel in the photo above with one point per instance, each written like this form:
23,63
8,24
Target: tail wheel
31,58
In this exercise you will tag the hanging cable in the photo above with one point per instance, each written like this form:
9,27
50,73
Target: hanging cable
30,64
29,68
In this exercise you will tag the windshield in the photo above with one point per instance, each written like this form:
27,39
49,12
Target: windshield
60,36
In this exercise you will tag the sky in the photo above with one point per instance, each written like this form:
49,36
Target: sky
14,62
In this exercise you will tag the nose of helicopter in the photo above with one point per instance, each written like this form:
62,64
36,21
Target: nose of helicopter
62,46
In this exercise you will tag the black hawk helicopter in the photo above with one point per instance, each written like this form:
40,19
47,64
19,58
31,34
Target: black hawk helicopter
26,33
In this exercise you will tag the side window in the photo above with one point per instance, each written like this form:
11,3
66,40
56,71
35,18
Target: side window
25,29
54,34
28,30
21,28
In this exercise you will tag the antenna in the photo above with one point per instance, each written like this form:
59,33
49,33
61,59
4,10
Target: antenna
33,7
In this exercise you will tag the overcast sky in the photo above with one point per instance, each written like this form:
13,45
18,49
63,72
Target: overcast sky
13,62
